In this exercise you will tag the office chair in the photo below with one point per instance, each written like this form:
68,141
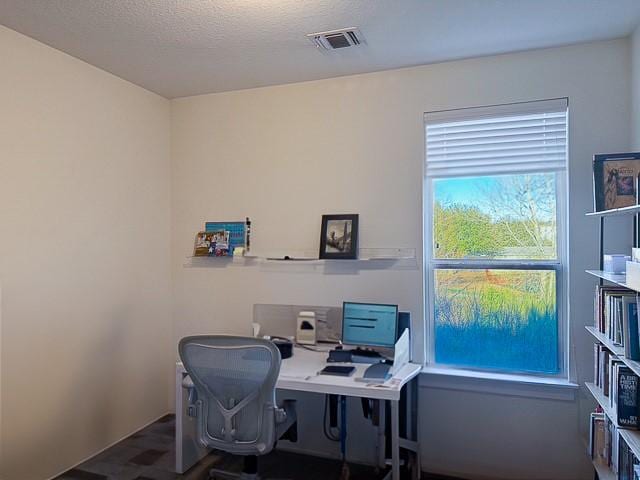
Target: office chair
232,394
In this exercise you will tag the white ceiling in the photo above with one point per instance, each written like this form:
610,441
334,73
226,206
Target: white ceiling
186,47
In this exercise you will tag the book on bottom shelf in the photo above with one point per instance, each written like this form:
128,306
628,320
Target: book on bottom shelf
597,437
628,464
627,397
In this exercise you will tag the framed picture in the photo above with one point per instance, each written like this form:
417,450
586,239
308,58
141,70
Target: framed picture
339,237
615,178
212,244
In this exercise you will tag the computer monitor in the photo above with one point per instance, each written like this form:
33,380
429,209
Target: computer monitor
369,324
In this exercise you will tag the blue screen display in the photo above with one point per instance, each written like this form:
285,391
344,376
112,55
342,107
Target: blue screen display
369,324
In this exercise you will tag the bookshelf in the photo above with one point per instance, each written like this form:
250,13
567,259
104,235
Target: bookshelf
630,437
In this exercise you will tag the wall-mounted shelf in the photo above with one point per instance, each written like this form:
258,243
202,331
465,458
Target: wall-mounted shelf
615,211
218,262
364,255
369,259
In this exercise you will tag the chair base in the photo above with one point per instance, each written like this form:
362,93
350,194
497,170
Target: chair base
217,474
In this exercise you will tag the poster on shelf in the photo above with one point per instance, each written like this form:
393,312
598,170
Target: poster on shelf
615,180
237,233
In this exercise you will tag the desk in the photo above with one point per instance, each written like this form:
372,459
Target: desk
300,373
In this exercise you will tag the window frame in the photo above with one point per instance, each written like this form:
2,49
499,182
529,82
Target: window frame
560,264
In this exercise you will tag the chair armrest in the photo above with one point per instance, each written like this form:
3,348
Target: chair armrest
192,397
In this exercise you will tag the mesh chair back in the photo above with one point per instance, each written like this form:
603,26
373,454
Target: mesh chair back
235,380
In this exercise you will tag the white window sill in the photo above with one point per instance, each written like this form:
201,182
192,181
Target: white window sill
498,384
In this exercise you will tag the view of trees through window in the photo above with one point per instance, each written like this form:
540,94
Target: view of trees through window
496,318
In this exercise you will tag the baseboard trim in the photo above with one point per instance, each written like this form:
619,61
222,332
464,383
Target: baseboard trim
111,445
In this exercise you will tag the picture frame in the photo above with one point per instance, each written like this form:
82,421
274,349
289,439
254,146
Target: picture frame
339,237
615,180
211,244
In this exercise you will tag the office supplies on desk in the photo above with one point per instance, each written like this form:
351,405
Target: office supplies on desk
338,355
306,328
284,345
377,372
366,356
401,353
339,370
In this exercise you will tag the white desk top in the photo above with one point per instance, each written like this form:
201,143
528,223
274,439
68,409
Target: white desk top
300,373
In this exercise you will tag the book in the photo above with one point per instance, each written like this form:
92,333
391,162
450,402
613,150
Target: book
630,328
596,436
602,306
614,180
627,397
629,468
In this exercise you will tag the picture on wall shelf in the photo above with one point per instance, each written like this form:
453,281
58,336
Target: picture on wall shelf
212,244
238,233
615,178
339,237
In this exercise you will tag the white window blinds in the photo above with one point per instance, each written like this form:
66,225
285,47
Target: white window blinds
523,137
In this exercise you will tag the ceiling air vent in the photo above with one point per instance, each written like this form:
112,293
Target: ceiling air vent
335,39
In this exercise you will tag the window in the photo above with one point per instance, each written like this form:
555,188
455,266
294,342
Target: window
495,204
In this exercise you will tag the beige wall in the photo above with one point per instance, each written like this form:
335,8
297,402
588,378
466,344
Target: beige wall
285,155
84,249
85,277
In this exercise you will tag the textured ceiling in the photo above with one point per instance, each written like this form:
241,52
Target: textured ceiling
186,47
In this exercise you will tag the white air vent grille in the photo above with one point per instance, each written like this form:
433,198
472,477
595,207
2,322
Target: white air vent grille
336,39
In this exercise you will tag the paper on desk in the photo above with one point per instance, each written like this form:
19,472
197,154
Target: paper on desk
401,355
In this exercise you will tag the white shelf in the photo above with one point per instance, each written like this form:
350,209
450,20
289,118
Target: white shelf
364,255
618,351
208,262
617,278
602,401
632,437
369,258
604,472
616,211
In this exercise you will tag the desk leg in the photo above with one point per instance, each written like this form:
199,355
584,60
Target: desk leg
415,431
382,439
395,439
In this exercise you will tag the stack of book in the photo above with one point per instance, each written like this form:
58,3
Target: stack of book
616,316
620,385
604,441
608,448
628,464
